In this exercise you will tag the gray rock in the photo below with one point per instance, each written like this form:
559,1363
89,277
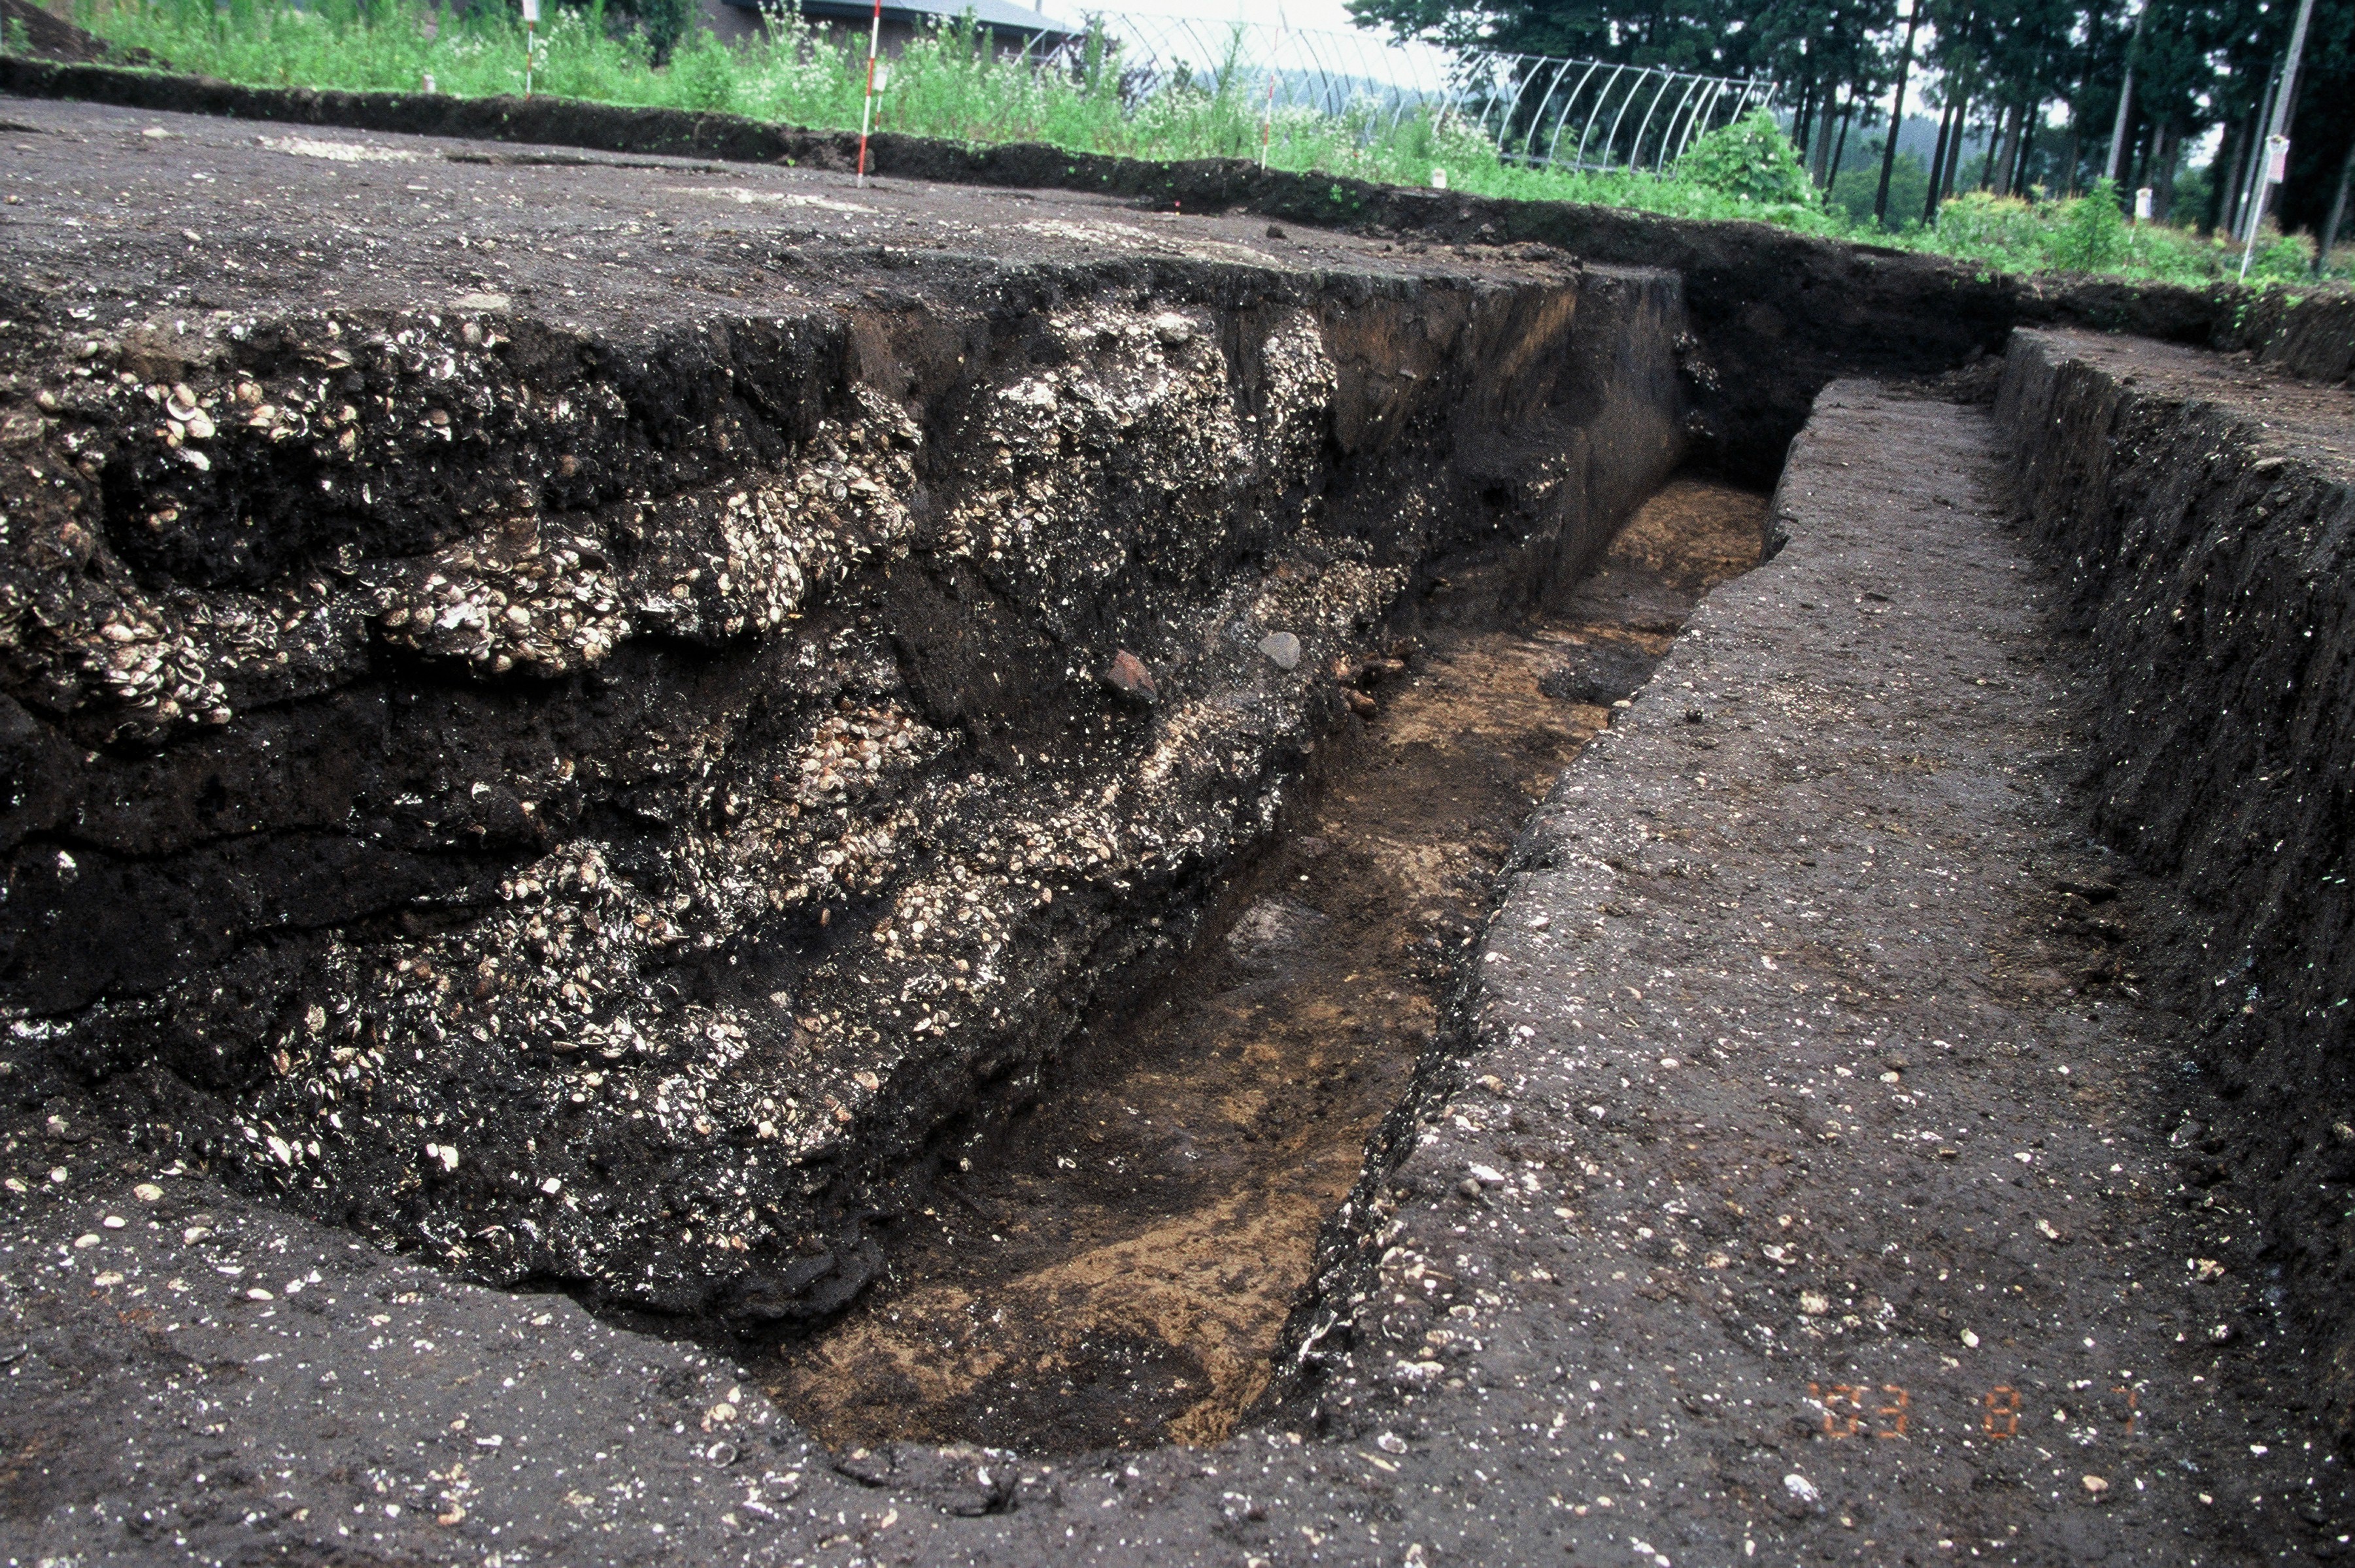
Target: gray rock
1272,928
1281,647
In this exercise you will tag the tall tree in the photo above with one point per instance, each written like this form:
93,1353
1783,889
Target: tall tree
1993,68
2323,133
1896,113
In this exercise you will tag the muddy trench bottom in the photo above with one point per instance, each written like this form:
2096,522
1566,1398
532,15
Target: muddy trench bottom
1116,1271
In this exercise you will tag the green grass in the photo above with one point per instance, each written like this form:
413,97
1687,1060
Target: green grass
950,84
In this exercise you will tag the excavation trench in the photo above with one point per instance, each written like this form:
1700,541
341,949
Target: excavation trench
908,786
724,816
1115,1265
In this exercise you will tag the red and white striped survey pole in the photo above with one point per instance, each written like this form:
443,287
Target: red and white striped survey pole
1267,121
531,24
866,113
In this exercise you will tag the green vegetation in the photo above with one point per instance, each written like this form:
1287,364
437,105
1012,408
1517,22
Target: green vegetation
1859,182
952,84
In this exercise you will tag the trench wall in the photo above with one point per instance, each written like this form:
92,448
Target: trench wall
613,811
2208,561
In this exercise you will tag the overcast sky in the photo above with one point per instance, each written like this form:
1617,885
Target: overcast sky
1320,14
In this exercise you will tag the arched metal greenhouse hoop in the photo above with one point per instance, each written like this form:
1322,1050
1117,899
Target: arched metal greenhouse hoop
1560,70
1330,96
1635,148
1567,105
1699,116
1378,85
1601,99
1676,117
1704,119
1509,67
1473,73
1611,142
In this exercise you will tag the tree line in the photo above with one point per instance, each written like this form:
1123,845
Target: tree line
2035,85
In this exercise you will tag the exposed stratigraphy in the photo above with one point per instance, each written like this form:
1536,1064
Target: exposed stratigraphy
600,804
1814,1088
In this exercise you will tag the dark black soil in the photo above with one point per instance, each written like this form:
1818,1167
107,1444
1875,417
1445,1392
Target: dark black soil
1819,1157
2201,512
607,746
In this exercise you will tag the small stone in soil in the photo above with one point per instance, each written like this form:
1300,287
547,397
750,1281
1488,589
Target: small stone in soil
1129,677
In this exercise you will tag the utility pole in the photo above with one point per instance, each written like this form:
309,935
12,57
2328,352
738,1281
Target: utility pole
2273,158
2126,97
1897,114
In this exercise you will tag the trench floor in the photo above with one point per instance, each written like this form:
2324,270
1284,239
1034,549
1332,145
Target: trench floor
1118,1272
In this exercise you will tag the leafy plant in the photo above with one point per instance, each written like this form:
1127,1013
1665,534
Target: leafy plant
2092,235
2287,258
706,77
666,22
1750,159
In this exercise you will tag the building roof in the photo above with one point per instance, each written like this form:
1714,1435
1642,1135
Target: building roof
998,15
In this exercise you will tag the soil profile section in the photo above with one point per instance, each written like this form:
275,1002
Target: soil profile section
2201,510
613,812
1114,1267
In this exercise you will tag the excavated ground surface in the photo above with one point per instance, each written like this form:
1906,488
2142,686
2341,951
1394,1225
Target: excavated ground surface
1115,1270
136,212
1821,1164
1685,1262
1795,1178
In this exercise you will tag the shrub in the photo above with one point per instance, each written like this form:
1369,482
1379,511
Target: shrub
1750,159
2091,236
2285,259
703,75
